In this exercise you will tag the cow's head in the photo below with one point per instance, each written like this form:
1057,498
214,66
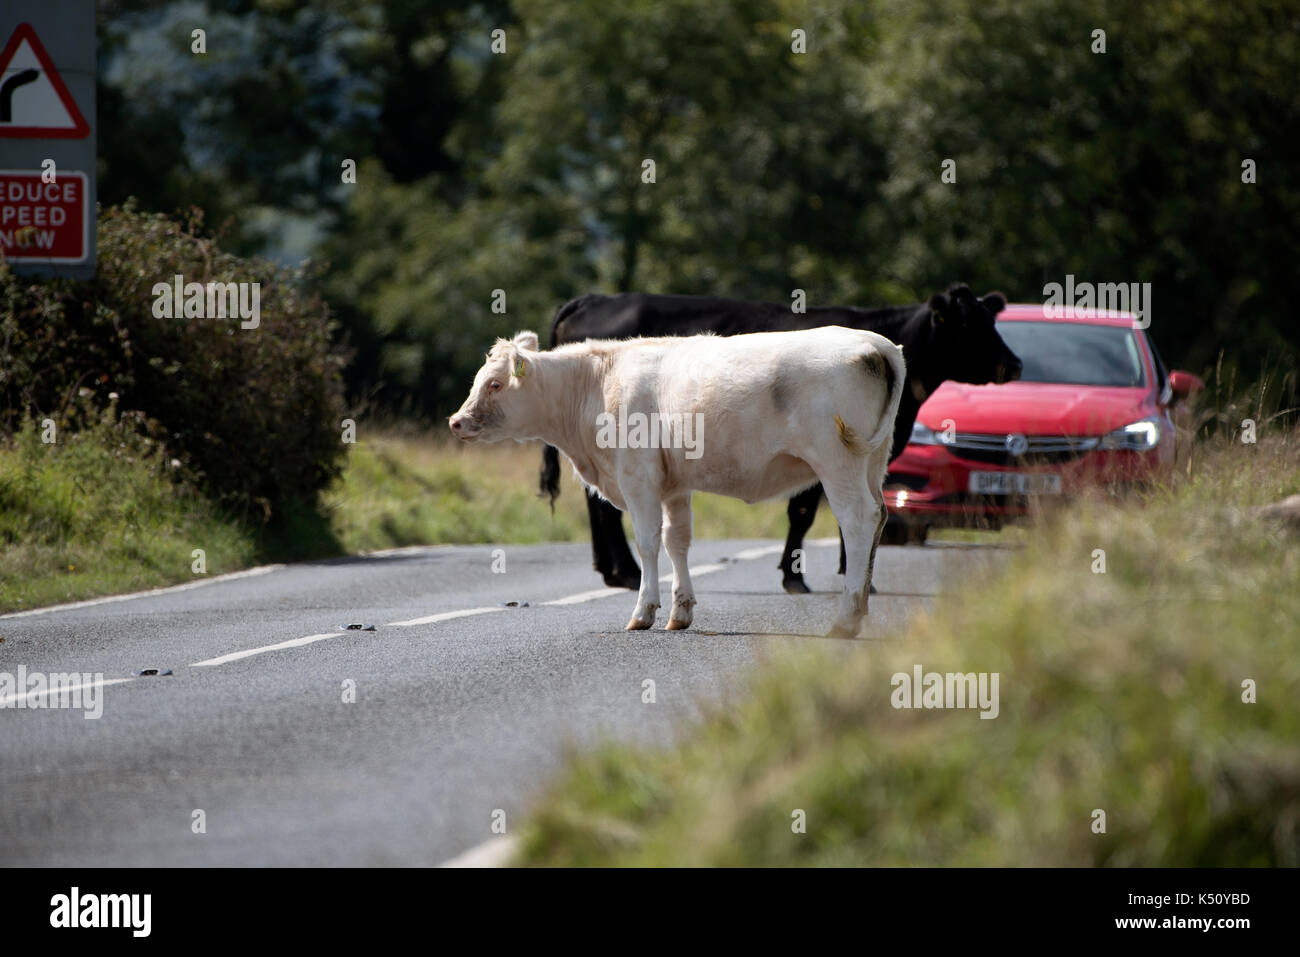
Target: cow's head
963,343
497,407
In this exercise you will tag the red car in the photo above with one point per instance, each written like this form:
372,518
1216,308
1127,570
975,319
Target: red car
1090,408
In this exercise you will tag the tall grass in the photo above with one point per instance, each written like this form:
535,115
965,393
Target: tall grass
1123,693
98,511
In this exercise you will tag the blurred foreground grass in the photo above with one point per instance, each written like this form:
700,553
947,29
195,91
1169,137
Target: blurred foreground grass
1119,692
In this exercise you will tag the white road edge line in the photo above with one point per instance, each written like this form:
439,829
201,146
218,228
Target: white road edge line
109,599
10,700
292,643
496,852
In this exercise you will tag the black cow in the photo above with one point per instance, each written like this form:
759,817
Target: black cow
950,337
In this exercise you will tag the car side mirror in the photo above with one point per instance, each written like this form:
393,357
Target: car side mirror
1183,384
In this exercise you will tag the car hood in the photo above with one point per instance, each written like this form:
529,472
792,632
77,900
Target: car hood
1035,408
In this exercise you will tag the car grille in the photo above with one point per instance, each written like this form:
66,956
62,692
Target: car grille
1039,449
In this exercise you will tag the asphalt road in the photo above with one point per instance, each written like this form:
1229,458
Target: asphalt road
453,719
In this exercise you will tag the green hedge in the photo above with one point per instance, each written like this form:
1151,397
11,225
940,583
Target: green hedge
254,415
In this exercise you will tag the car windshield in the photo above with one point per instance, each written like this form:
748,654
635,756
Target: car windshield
1075,353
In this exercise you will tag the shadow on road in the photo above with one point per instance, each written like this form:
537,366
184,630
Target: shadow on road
774,634
829,593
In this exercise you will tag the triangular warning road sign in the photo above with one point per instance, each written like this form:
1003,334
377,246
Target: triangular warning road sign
34,102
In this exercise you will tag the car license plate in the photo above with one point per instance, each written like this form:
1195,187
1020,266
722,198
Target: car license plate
1015,483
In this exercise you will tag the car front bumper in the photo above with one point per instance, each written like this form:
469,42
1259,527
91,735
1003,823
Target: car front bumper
931,485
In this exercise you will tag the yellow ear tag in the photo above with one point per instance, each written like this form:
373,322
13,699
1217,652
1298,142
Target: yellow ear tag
520,369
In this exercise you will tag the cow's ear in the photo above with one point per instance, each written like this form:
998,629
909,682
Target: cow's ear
994,302
939,306
527,340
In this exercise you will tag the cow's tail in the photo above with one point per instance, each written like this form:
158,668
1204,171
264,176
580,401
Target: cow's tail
549,478
888,364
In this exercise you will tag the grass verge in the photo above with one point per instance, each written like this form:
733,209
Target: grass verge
1119,692
408,489
96,513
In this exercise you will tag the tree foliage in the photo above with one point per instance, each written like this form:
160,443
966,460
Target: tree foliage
776,168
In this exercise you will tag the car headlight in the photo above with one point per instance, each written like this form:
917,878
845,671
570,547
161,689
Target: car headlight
923,435
1140,436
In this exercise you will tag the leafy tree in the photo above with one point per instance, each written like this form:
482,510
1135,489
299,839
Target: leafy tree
774,169
1117,166
756,179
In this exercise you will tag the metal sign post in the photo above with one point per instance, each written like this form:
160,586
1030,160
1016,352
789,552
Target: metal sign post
47,137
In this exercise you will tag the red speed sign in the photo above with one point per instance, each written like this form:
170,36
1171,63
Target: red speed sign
43,221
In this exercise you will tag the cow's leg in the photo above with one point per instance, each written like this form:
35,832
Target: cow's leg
646,512
599,550
610,555
625,572
801,511
870,590
877,468
677,538
858,513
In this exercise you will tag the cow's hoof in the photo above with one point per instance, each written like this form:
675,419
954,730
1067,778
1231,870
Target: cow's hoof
683,613
872,590
623,580
795,585
642,623
843,632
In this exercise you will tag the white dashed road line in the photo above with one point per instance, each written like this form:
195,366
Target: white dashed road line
11,700
751,553
700,570
579,598
446,616
582,596
292,643
696,572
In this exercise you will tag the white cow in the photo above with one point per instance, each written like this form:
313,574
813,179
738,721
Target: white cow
647,421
